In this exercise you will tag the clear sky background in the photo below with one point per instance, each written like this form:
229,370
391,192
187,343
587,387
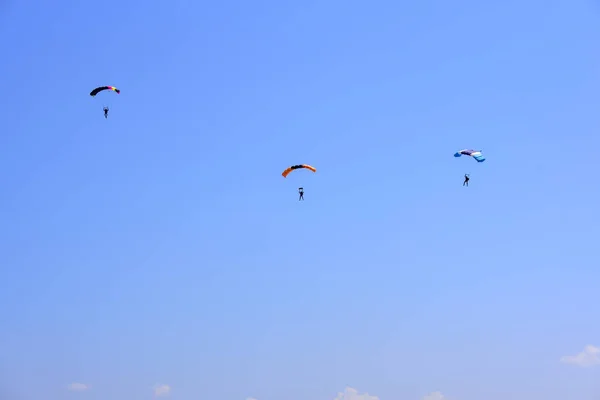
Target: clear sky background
160,251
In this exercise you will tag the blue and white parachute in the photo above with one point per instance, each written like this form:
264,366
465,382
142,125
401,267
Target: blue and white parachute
476,154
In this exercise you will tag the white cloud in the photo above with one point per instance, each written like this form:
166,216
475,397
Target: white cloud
588,357
435,396
162,390
352,394
77,387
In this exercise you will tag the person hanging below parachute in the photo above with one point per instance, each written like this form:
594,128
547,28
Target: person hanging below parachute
99,89
287,171
476,154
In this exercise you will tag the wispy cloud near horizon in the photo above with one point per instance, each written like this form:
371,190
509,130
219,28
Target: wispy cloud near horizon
352,394
590,356
77,387
435,396
162,390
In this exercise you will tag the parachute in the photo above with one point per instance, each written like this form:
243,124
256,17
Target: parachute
476,154
101,88
293,167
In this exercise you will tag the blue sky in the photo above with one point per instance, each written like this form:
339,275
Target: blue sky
161,250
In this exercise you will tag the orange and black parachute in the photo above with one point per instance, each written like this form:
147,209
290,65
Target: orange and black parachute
101,88
293,167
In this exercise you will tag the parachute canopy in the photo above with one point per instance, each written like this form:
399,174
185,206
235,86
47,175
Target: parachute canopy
293,167
101,88
476,154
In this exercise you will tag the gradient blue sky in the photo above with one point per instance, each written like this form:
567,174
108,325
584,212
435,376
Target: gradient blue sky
163,247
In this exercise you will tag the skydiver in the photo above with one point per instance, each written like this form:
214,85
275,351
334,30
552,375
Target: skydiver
466,182
105,112
301,192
